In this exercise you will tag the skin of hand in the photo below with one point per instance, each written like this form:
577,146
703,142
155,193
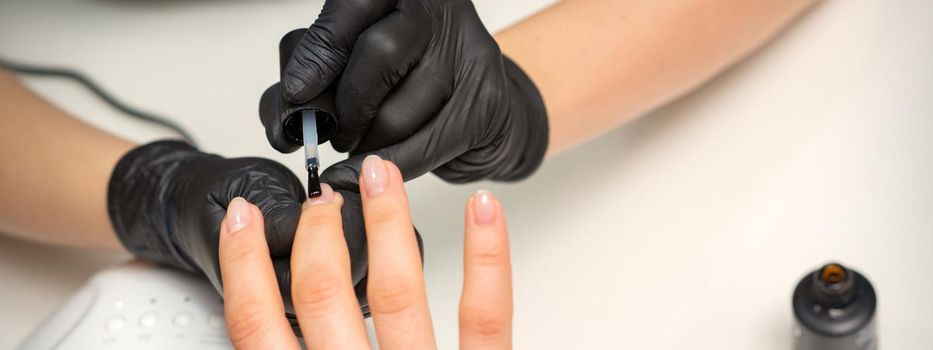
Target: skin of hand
323,292
69,173
617,60
53,163
596,63
601,63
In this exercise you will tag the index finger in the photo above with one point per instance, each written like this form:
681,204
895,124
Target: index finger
252,302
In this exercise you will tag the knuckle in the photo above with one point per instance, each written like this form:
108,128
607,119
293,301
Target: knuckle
383,217
320,217
391,294
356,103
486,53
483,321
239,256
487,256
380,44
248,327
391,125
238,253
491,51
318,292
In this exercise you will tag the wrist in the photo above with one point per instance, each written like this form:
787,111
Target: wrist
136,197
529,124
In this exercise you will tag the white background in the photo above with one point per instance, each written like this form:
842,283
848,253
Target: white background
687,229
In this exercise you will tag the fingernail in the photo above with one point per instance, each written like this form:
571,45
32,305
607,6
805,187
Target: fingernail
238,214
327,196
484,208
375,175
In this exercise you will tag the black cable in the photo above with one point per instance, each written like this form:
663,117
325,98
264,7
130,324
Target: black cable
100,92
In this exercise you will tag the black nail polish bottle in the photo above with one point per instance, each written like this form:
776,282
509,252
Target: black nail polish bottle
834,309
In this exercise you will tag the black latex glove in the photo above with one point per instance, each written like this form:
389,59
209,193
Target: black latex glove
421,83
167,200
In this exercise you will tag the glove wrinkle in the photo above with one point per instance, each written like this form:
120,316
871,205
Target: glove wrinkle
420,83
167,200
448,102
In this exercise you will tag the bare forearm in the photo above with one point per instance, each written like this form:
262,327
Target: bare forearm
600,63
55,171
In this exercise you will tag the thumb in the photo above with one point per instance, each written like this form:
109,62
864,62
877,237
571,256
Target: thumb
323,51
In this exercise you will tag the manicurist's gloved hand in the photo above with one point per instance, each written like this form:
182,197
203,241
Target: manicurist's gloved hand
420,83
167,201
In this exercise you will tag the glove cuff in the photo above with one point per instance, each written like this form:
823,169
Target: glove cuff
138,182
531,124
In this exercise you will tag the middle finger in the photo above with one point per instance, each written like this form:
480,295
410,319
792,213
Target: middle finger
322,288
396,284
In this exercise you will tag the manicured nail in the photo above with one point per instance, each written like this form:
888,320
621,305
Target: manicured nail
327,196
375,175
485,210
238,214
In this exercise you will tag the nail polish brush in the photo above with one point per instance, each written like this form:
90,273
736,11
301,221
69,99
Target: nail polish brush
309,133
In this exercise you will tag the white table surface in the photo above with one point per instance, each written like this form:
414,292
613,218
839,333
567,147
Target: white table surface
685,230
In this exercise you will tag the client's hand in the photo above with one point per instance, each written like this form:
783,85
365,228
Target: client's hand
322,290
167,201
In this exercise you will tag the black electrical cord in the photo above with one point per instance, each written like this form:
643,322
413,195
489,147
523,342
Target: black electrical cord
99,91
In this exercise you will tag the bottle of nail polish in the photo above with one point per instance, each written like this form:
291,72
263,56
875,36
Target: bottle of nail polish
834,309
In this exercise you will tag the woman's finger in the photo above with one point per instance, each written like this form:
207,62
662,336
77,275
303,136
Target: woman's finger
322,289
252,303
395,283
486,304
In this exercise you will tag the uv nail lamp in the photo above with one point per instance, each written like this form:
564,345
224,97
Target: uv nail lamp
136,306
